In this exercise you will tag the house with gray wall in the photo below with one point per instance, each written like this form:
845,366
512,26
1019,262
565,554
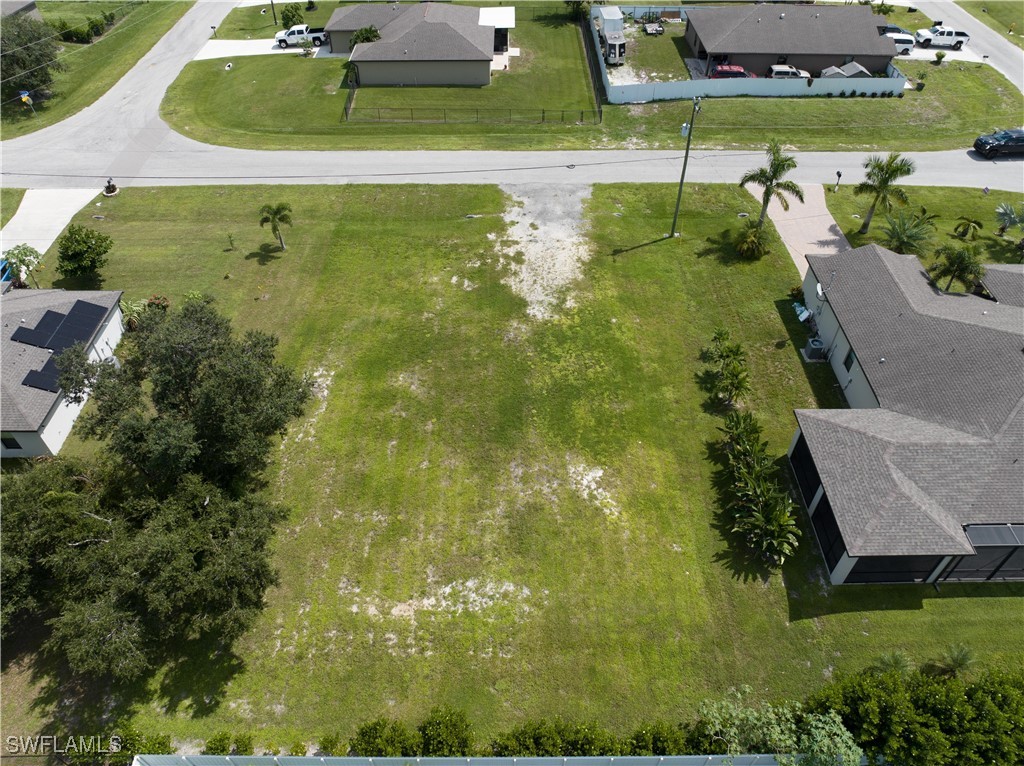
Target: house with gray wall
808,37
36,326
922,479
422,44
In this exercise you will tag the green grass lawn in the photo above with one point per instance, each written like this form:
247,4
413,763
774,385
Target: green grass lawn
959,102
948,203
437,550
9,201
659,58
1001,15
250,24
78,12
92,69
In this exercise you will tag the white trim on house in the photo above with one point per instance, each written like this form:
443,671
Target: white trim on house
843,568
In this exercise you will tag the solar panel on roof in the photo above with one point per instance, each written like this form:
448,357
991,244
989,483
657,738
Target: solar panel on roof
86,311
51,321
58,331
31,337
42,380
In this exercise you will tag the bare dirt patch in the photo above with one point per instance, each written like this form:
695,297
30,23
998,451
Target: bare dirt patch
545,249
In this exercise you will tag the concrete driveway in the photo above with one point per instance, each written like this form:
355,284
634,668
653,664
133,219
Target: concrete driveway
807,227
222,49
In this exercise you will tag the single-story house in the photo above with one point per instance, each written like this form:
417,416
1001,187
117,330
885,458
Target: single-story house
853,69
422,44
37,324
808,37
922,479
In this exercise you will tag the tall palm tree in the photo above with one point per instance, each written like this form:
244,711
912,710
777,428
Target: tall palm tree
882,175
276,216
960,263
771,180
906,233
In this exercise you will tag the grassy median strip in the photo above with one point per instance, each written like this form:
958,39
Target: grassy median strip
448,542
92,69
1004,16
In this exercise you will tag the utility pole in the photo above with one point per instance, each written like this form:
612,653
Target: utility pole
687,130
273,11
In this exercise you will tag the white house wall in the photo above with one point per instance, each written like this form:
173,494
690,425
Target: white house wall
854,383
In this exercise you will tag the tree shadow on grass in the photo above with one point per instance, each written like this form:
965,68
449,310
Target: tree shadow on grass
92,281
194,674
721,246
266,253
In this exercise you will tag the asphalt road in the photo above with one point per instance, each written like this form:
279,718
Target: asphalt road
122,136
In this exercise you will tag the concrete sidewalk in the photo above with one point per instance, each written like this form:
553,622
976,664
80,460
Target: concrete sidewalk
807,227
42,216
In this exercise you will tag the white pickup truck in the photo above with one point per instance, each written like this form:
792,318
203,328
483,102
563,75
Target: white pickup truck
940,36
299,34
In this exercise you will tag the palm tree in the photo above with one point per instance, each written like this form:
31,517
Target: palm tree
960,263
893,662
276,215
882,175
770,179
956,660
906,233
1008,217
967,228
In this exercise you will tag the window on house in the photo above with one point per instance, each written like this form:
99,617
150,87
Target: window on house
849,360
9,441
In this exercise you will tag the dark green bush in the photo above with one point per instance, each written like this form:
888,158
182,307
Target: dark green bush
445,733
330,744
384,738
218,744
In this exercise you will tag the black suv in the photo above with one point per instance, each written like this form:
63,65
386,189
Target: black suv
1001,142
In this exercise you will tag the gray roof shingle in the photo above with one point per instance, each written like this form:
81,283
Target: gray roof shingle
946,447
349,18
431,32
23,408
1005,283
780,30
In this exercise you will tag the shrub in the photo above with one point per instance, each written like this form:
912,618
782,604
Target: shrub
445,733
297,748
939,56
159,302
384,738
218,744
109,17
97,26
291,15
330,744
658,738
243,744
751,241
82,251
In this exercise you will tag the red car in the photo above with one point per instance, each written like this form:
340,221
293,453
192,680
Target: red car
724,71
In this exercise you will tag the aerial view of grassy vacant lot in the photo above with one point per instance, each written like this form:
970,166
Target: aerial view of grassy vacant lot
93,68
513,515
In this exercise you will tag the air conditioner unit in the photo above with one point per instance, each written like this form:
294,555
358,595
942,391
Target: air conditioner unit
815,349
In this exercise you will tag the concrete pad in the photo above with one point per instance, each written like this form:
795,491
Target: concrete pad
928,54
42,216
222,49
806,227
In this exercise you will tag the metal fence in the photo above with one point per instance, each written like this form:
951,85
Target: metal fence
470,115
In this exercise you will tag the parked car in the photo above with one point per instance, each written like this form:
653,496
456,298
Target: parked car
892,29
725,71
945,37
787,72
299,34
904,42
1000,142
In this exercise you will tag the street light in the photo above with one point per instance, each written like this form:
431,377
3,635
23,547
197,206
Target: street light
687,130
